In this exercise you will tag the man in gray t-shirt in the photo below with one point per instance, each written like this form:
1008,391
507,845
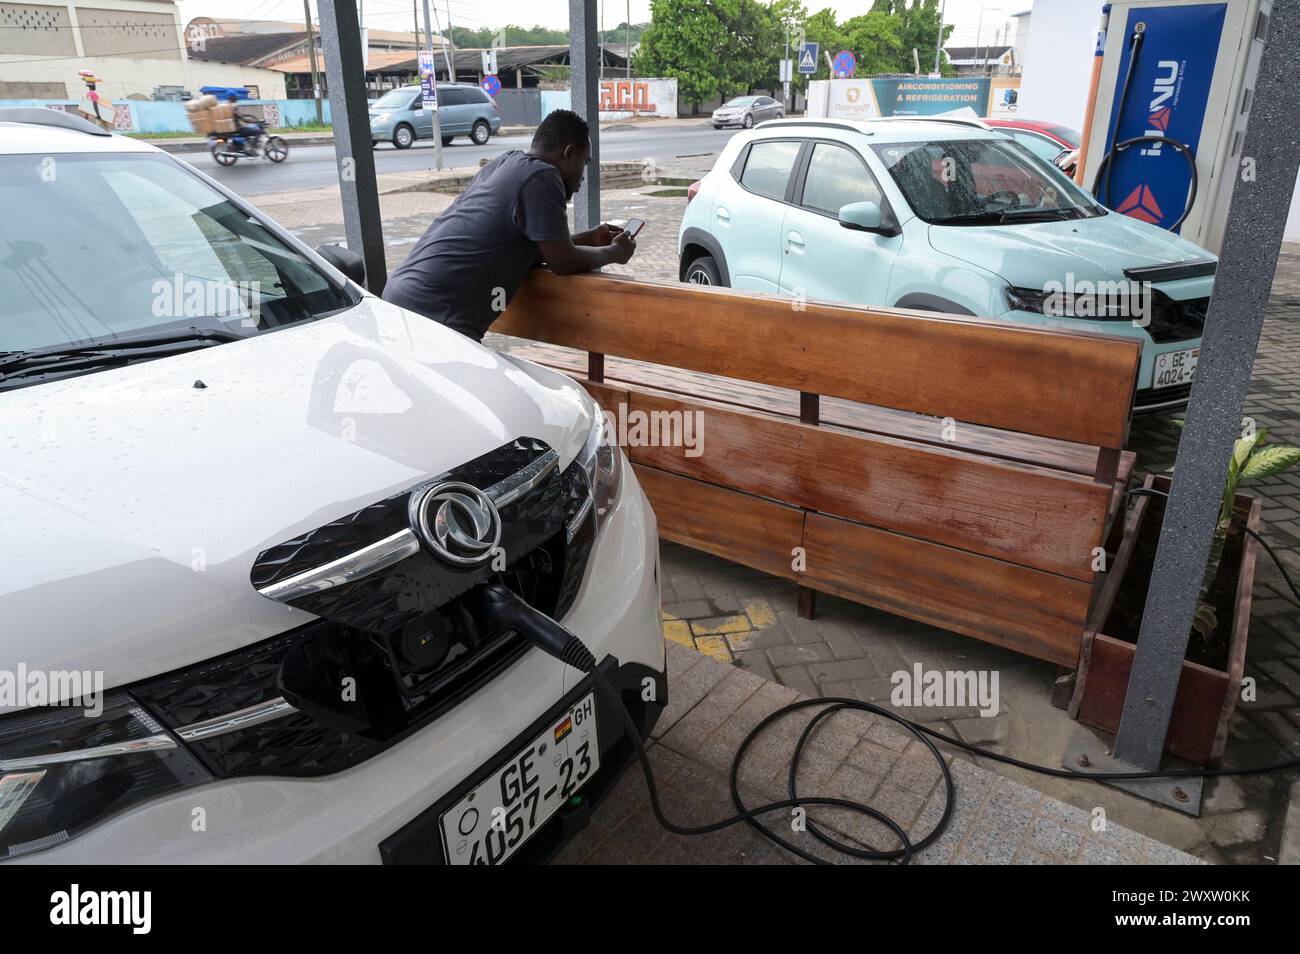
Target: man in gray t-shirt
468,264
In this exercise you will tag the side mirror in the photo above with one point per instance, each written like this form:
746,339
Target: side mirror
345,260
866,217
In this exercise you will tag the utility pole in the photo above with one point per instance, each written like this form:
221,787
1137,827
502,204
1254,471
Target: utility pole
628,51
938,43
602,39
451,40
451,73
437,126
785,85
311,55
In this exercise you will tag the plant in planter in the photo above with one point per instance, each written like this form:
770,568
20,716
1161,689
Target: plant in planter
1251,459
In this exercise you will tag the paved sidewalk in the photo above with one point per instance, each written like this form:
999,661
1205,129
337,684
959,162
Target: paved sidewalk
853,755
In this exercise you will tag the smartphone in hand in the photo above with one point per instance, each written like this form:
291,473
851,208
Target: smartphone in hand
634,226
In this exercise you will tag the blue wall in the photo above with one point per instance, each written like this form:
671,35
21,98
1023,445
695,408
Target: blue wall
151,117
553,99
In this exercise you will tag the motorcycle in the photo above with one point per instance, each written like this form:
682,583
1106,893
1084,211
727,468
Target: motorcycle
229,148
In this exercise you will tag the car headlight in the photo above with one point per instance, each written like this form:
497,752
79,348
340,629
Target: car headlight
602,462
62,770
1063,303
1026,299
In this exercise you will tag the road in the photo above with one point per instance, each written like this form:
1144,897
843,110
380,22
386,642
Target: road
310,167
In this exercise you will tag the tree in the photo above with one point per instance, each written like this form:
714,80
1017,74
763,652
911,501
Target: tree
754,45
684,40
918,28
875,41
618,34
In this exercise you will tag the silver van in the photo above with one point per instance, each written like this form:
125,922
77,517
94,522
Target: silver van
399,115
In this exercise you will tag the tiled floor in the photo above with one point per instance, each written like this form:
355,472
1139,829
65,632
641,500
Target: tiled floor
852,755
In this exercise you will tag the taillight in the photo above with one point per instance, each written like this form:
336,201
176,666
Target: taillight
692,191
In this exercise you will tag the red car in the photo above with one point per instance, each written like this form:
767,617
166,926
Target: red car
1047,140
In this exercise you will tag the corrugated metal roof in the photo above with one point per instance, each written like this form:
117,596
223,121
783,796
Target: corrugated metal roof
245,48
383,60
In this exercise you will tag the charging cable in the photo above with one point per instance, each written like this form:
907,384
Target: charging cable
500,608
1107,163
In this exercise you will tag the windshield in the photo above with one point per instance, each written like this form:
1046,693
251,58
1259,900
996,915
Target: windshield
98,248
742,101
982,182
394,99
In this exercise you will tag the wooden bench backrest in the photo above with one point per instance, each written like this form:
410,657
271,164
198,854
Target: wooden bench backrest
1047,383
995,548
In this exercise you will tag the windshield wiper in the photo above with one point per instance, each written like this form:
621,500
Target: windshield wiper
68,357
1025,215
1008,215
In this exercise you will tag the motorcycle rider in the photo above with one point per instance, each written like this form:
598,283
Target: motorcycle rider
248,127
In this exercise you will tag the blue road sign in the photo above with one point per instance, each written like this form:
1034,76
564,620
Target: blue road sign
844,63
808,58
491,85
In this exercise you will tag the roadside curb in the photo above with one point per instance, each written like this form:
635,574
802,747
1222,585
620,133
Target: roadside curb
454,180
201,145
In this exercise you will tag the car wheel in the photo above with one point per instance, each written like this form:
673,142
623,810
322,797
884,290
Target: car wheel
446,140
703,271
403,136
716,126
749,121
480,133
374,143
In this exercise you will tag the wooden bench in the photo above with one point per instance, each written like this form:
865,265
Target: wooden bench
957,471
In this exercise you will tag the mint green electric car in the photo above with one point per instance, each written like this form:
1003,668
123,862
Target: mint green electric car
946,216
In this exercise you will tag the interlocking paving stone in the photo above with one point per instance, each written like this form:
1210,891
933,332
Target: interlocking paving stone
994,819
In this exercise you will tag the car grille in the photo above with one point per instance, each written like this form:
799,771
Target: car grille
360,635
1176,320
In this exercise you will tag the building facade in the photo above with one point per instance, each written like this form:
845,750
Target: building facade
134,47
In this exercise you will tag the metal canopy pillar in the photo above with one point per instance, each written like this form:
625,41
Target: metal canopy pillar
584,83
1265,178
346,75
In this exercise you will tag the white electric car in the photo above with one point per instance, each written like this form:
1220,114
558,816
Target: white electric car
254,504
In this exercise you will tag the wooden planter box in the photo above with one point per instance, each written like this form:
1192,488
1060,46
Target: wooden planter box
1207,693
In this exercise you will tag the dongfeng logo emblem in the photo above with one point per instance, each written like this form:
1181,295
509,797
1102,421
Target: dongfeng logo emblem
458,522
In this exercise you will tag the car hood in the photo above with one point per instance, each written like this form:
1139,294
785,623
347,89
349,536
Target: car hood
133,501
1032,254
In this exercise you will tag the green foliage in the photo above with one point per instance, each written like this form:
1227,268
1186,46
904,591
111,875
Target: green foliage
465,38
1252,459
684,40
731,47
1269,461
